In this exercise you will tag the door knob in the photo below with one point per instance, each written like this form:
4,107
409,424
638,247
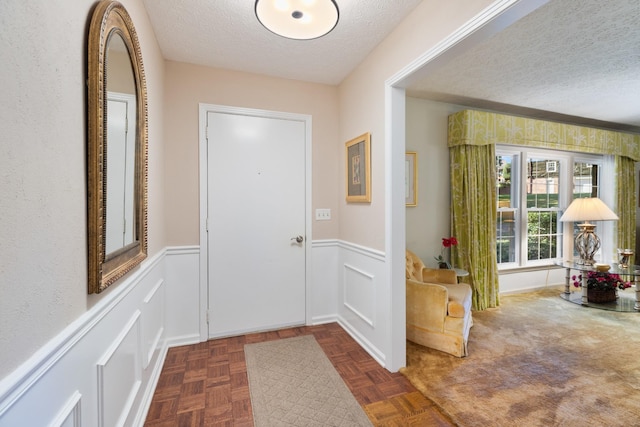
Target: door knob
298,239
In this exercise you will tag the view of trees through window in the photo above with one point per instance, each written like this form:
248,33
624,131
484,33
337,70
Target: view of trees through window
540,180
543,186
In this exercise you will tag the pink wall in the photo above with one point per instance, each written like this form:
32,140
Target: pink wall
339,114
188,85
362,103
43,272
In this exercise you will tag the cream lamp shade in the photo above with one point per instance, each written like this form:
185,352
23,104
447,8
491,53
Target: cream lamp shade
298,19
587,209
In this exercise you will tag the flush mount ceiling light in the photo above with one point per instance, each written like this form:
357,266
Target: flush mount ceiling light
298,19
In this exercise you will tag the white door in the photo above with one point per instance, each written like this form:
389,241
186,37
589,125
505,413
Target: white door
256,210
120,175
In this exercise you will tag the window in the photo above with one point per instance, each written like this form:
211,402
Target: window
507,209
542,209
585,184
585,180
552,166
533,188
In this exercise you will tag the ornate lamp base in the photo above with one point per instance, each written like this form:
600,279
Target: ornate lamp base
587,243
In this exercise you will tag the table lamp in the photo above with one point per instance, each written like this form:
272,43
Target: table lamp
587,209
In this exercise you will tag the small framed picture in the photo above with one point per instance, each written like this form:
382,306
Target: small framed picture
411,178
358,169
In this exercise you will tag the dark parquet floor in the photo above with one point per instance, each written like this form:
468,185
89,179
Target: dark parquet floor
206,384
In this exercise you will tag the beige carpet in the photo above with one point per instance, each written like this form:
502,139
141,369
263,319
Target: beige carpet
293,383
538,360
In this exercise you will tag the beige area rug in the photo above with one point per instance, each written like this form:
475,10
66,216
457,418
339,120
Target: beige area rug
293,383
538,360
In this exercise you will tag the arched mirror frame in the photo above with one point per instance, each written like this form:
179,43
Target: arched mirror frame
110,18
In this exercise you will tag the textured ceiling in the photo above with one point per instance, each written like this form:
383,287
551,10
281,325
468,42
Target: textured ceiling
576,58
572,60
226,34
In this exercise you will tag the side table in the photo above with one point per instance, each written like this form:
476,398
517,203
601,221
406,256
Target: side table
460,272
632,273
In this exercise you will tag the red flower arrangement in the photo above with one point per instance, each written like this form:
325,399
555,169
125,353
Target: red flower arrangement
446,244
601,281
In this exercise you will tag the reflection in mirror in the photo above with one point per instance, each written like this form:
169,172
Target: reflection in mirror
117,147
121,144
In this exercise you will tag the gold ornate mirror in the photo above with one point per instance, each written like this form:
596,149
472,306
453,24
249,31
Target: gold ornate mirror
117,147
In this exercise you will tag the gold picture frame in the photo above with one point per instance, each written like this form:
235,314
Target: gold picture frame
112,36
411,178
358,169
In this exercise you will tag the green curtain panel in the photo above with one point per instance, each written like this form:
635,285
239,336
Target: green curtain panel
473,219
626,203
471,139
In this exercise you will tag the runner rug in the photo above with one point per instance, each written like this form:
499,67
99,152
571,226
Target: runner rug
293,383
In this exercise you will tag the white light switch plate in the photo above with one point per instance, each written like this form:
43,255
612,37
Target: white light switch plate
323,214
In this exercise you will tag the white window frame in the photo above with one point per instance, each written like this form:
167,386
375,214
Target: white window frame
562,161
516,167
604,229
565,160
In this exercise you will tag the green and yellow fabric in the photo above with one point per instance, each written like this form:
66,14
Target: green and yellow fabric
471,139
626,202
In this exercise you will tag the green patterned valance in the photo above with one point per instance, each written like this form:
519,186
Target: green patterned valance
471,127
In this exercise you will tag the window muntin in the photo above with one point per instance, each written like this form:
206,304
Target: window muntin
533,188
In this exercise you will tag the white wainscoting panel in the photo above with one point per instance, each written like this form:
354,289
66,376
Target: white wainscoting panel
364,309
324,282
60,386
69,415
359,293
125,336
119,376
153,322
184,309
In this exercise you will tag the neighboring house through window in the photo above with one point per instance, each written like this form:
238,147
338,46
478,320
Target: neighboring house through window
534,186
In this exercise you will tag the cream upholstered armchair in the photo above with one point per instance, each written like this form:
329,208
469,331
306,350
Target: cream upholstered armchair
438,308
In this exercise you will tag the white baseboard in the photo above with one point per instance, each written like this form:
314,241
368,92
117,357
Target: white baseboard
321,320
183,340
531,289
364,343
